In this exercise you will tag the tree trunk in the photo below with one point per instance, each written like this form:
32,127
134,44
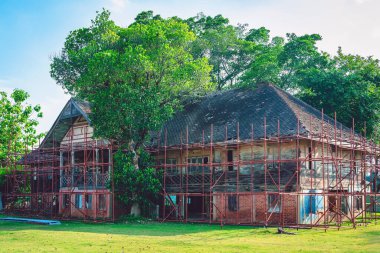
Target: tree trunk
135,159
135,209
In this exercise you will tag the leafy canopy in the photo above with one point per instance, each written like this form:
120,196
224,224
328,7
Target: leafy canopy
224,46
134,77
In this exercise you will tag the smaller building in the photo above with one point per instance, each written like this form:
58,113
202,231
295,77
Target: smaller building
69,174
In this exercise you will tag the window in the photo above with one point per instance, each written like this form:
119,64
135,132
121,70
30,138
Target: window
102,202
232,203
88,201
196,164
79,157
313,203
104,156
216,157
344,205
230,159
79,201
65,158
274,203
359,203
172,200
66,201
171,167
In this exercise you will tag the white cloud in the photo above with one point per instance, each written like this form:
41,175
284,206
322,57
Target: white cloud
117,5
362,1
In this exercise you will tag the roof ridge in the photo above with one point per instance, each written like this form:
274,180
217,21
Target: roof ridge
72,101
296,111
314,115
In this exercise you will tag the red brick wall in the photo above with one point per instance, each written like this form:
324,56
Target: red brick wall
244,215
252,210
287,215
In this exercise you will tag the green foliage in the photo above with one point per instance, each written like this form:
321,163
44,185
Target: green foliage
145,17
135,186
298,54
264,66
222,44
3,172
134,77
18,122
347,85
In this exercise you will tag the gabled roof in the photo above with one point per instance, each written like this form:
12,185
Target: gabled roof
246,107
72,110
224,110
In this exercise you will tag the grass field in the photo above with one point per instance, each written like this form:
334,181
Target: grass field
172,237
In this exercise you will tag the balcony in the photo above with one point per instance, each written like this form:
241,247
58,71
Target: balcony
88,181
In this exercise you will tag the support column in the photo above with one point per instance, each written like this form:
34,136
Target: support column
97,167
60,168
72,168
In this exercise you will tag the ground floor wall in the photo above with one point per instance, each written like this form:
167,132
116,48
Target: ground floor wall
92,204
308,208
260,208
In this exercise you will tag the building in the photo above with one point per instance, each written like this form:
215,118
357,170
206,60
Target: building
68,175
257,157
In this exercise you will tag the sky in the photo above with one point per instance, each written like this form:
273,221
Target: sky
32,31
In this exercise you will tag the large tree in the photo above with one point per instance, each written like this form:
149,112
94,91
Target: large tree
135,77
346,84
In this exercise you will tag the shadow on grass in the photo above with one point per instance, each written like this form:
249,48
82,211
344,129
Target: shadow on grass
149,229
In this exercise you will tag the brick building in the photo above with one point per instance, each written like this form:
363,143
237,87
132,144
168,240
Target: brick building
241,156
263,157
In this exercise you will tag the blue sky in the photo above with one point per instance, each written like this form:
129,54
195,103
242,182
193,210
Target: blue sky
31,31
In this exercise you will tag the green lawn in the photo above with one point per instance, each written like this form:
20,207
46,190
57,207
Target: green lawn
172,237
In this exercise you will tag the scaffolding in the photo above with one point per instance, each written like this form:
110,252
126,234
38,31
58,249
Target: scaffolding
72,180
326,178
